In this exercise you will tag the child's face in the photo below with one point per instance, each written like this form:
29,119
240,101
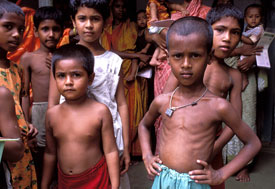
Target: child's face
72,79
141,20
253,17
49,33
12,27
226,36
188,57
119,9
89,24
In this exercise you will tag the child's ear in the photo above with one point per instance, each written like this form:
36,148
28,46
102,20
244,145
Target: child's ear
211,56
91,78
73,21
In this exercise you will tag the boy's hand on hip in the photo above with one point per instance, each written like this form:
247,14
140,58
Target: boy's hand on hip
207,175
151,165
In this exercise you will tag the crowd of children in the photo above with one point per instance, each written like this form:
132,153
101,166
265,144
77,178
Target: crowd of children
82,112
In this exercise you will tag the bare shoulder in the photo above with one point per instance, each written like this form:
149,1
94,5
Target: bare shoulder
162,99
219,104
53,112
99,108
26,58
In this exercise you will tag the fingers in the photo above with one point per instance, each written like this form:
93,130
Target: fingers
203,163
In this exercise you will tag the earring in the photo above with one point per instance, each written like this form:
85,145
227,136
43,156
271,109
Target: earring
74,31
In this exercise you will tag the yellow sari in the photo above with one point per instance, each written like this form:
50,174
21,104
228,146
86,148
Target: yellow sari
123,38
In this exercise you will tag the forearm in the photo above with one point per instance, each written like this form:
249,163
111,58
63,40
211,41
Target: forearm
112,160
49,164
26,107
153,11
126,55
124,115
145,141
242,159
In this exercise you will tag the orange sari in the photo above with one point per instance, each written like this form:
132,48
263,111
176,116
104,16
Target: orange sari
123,38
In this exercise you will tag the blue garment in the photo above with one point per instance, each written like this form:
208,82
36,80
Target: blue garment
171,179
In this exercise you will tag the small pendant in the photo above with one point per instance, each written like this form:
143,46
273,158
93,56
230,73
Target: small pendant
194,103
169,112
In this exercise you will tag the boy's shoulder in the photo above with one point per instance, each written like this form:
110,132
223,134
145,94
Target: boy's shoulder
31,57
215,102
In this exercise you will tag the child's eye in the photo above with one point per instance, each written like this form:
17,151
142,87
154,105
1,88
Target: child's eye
236,32
177,56
219,30
60,75
8,26
21,30
195,55
76,74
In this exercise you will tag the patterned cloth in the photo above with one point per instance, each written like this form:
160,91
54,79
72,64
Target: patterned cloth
23,171
123,38
162,11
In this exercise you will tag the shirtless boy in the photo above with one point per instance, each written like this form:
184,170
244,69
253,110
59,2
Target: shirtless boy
48,27
191,116
220,79
79,132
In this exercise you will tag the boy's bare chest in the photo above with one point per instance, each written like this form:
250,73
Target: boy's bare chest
40,69
218,80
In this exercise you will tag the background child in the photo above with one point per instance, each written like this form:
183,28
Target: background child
48,25
142,46
191,116
13,150
81,142
11,34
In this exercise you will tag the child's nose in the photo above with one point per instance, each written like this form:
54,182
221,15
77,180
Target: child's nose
68,80
185,63
226,36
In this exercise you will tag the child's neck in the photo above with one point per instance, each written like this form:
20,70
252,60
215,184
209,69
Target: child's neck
77,102
45,49
191,91
94,47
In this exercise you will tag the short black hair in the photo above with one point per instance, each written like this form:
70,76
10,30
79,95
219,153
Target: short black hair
9,7
222,11
76,52
258,6
215,3
191,25
101,6
48,13
140,11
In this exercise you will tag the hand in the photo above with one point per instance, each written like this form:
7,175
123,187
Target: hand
246,64
124,162
142,65
144,57
207,175
49,60
32,143
151,165
32,131
159,40
248,50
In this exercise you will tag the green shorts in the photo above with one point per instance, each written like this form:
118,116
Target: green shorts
170,178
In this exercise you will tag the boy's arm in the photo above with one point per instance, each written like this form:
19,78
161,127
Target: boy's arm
153,12
252,145
236,101
150,161
25,62
247,40
159,39
124,115
145,49
50,156
54,94
109,147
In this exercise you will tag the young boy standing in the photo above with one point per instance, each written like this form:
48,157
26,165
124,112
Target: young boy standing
48,27
191,116
81,142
